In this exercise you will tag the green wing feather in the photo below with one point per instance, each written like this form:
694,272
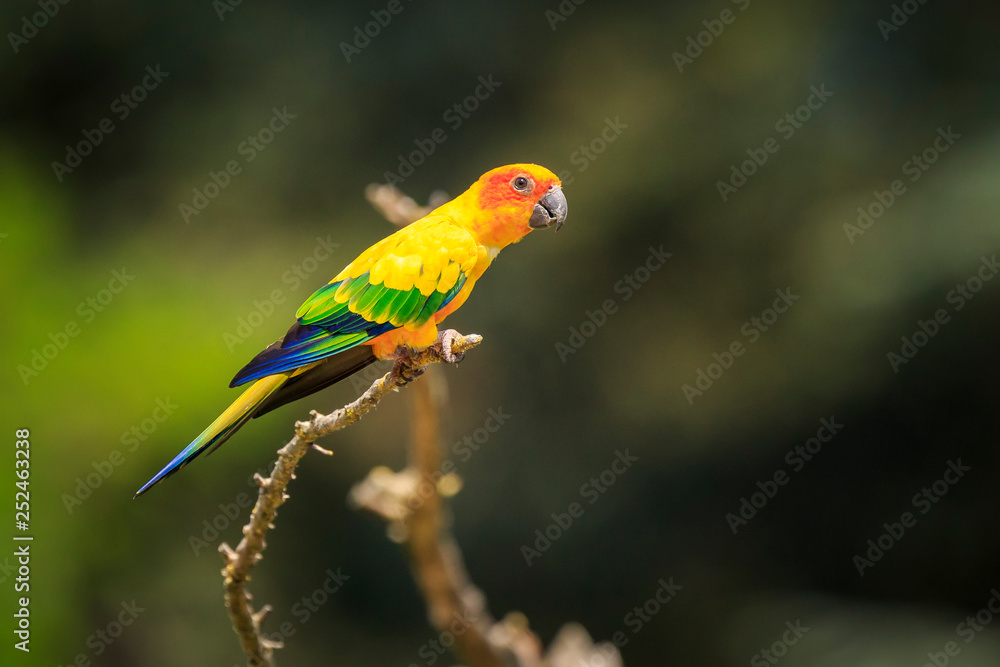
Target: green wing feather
419,270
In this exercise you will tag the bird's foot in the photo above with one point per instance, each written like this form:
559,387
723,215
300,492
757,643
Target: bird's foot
445,340
404,368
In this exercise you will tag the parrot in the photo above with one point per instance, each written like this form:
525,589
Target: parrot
390,299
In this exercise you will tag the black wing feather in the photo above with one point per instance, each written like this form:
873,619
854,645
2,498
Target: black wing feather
333,369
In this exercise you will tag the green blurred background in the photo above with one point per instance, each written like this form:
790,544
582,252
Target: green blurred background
167,337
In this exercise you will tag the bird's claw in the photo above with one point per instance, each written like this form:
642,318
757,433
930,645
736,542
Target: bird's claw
409,373
445,339
404,369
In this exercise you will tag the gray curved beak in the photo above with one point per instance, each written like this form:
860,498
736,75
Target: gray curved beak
550,210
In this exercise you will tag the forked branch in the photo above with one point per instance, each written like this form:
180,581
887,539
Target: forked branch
271,494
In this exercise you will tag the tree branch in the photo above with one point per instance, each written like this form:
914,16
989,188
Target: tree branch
411,502
396,207
436,558
271,494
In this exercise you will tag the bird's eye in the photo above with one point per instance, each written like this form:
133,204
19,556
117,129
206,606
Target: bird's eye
521,184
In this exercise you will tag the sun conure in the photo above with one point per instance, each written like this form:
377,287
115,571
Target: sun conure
394,294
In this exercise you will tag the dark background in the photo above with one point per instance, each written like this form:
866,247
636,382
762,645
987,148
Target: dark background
164,337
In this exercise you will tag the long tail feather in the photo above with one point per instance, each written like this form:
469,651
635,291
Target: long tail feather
223,427
319,376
